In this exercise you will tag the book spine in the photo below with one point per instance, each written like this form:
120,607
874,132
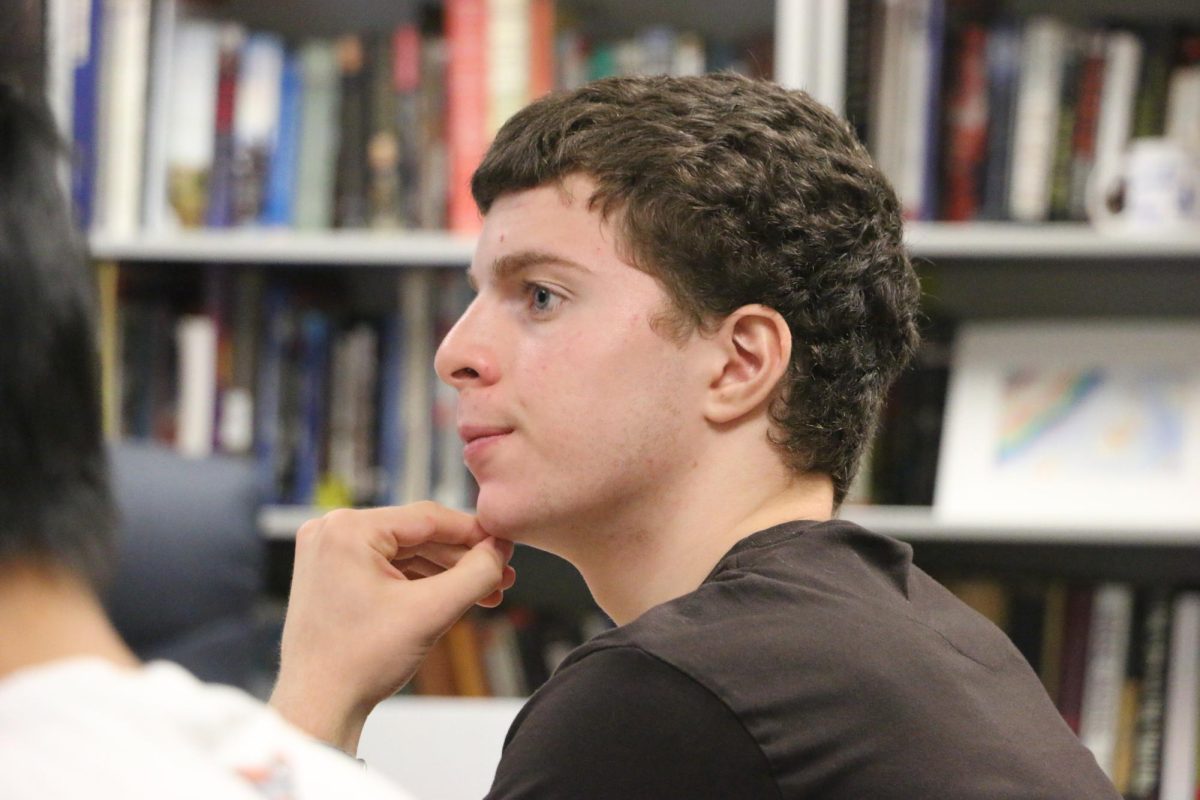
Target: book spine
1043,50
467,104
1083,147
197,347
1064,138
1180,717
1148,723
267,411
406,86
313,366
85,110
1122,61
1075,649
967,123
542,15
350,180
279,202
190,125
163,40
318,147
383,144
433,176
255,123
220,210
416,288
1003,60
122,114
391,428
1108,651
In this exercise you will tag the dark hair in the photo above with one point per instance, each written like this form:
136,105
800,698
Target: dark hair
733,191
55,506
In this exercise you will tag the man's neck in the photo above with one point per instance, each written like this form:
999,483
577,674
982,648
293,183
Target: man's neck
53,615
667,550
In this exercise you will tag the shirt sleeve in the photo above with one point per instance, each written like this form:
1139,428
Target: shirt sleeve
621,723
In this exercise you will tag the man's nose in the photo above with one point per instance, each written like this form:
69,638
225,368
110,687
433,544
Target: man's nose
465,356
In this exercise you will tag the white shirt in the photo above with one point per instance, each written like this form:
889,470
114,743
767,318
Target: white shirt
89,728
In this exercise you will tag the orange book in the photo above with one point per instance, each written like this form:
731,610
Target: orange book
466,659
541,48
466,112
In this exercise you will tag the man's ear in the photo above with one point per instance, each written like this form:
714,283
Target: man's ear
753,348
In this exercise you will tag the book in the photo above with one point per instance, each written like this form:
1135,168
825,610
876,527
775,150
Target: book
351,176
416,296
1003,70
383,142
318,145
1152,674
1035,118
120,135
1076,630
1087,118
163,47
178,189
221,189
108,278
255,123
84,109
1107,653
196,338
506,64
279,195
433,170
406,79
1122,62
967,127
467,106
1178,781
312,368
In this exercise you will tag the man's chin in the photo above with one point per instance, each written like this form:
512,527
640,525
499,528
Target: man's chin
504,519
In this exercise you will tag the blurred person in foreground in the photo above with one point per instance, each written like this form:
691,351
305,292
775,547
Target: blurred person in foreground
79,716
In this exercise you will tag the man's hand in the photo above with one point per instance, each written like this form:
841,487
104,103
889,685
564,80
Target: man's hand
372,590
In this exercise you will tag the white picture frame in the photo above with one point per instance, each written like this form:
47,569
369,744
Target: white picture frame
1072,425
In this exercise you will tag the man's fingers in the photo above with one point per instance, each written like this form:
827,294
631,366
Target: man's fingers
390,530
477,575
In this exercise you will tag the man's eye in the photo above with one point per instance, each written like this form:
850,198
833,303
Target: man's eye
542,300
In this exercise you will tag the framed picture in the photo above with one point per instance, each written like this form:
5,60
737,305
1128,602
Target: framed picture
1073,424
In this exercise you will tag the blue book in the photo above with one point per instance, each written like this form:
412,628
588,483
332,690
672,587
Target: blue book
1003,72
280,200
267,427
391,409
933,111
83,124
314,377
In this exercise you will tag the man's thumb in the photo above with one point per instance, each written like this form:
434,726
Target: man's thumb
476,575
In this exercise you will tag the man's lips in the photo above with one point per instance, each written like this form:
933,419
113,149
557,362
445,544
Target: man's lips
472,433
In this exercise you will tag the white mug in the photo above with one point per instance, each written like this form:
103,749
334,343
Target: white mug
1159,181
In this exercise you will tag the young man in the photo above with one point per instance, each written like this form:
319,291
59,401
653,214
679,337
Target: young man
79,717
692,297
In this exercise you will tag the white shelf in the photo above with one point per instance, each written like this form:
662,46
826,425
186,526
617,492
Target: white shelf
932,240
919,523
281,246
1051,240
910,523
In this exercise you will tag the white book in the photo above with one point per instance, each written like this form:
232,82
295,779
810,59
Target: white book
158,100
1104,676
196,340
121,129
1118,92
179,184
353,384
65,20
416,297
256,121
830,56
795,43
1035,132
508,66
1179,728
688,58
318,134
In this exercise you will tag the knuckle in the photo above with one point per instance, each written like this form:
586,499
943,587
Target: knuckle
338,517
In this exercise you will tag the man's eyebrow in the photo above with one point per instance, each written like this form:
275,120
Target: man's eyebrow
507,266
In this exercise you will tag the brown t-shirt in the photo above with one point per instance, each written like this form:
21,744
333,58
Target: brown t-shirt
814,662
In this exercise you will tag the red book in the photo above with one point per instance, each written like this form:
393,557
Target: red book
466,113
967,123
1087,117
1074,656
541,48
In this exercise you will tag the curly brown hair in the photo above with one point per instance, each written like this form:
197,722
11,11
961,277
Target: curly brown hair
733,191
